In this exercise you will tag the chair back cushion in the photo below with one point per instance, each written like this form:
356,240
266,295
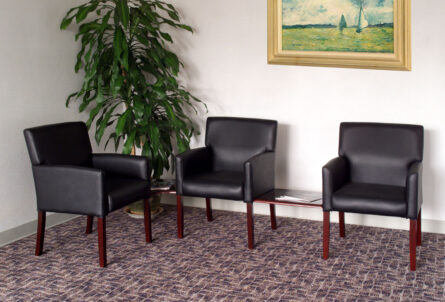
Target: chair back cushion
380,153
234,140
59,144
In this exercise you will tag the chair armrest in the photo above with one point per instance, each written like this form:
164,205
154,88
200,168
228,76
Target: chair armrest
414,189
70,189
259,175
192,162
121,164
335,175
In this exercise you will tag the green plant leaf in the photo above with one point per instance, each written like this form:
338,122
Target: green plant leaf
126,61
186,27
69,98
103,124
100,96
122,121
93,114
172,61
167,37
173,15
117,44
66,22
123,12
82,13
128,145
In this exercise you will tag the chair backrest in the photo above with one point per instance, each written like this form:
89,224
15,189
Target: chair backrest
59,144
380,153
235,140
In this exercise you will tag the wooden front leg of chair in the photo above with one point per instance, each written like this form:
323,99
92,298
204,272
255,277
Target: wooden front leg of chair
89,228
147,221
209,210
326,226
341,221
419,229
273,218
102,241
41,221
250,227
180,216
412,243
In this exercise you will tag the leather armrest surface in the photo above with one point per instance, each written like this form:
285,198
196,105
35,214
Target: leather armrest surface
121,164
414,189
259,174
70,189
335,175
191,162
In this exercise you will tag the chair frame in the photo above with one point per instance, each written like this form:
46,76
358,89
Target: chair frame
415,235
101,232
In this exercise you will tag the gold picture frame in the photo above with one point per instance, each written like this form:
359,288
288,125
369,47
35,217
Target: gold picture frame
398,59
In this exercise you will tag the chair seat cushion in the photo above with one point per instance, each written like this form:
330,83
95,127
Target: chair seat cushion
122,191
221,184
370,199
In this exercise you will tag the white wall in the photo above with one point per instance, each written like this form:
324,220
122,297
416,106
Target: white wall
36,75
226,66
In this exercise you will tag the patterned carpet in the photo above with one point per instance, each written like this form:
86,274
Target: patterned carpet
212,263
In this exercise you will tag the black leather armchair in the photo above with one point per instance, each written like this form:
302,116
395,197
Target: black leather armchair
237,163
70,179
378,171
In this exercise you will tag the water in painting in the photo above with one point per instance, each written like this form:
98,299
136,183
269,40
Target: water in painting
338,25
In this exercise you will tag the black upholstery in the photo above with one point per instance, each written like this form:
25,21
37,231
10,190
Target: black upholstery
217,184
380,153
378,170
70,179
371,199
122,191
59,144
238,162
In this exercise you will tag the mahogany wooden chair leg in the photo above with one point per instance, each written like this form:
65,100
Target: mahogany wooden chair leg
41,221
209,210
326,226
419,229
102,240
273,218
89,224
180,216
341,220
147,220
250,234
412,243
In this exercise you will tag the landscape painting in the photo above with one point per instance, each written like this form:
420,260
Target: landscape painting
373,34
362,26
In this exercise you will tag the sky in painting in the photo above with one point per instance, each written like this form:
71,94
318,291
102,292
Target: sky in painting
329,11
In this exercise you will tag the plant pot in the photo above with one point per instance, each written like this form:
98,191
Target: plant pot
136,209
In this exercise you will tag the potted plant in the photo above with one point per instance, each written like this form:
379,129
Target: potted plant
130,77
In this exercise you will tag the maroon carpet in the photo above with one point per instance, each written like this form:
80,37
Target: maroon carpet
212,263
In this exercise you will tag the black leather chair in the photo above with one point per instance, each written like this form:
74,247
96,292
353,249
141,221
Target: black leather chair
378,171
70,179
237,163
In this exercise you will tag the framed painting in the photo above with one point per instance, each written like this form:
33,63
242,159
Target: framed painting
373,34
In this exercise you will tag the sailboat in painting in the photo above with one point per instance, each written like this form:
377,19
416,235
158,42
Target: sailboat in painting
362,22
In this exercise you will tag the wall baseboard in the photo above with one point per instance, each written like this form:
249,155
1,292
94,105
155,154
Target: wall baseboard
428,225
30,228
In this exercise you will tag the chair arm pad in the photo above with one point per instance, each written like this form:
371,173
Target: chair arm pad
192,162
414,189
335,175
121,164
70,189
259,175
